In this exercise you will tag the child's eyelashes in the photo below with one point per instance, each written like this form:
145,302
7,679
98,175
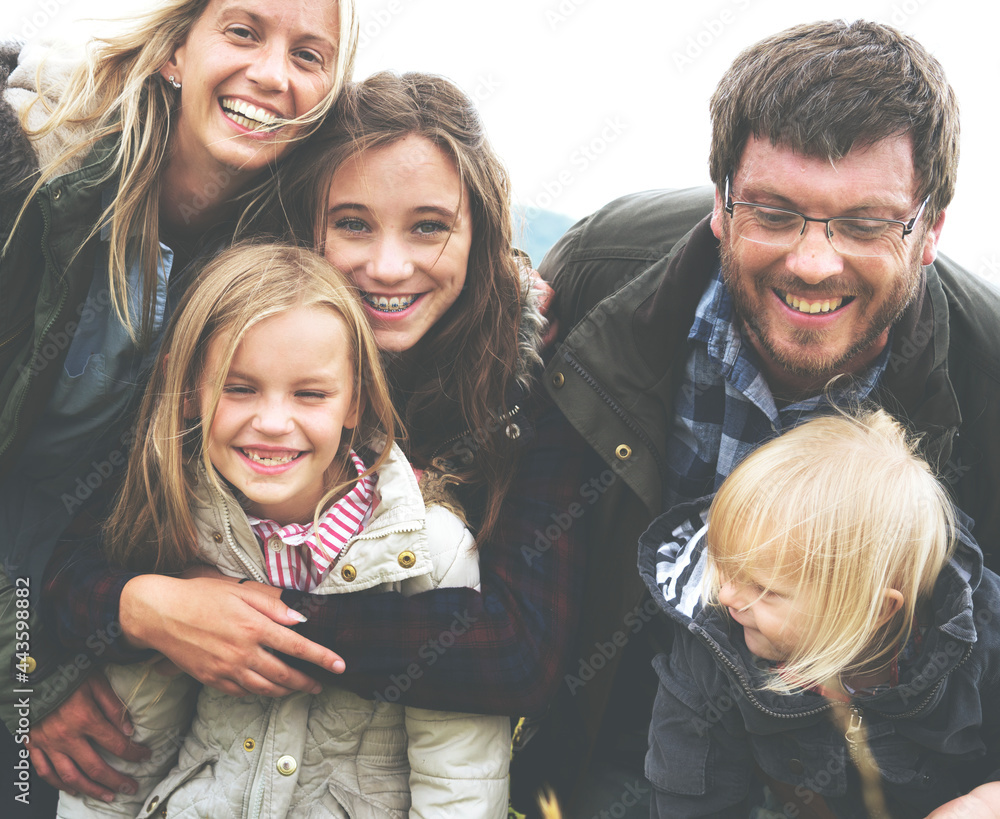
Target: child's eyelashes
355,225
237,389
351,224
432,228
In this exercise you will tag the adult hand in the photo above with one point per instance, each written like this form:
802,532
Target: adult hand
980,803
222,633
62,746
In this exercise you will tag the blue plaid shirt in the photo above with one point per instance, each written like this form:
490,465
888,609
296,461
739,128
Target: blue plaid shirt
724,408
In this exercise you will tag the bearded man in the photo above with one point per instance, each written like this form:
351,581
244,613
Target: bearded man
699,324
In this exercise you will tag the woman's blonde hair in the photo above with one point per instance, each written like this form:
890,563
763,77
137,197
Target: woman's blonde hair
119,92
151,527
842,508
455,382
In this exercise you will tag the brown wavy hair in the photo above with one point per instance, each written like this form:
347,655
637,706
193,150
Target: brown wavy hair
453,386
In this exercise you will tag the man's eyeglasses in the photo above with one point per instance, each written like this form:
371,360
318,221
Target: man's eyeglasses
849,236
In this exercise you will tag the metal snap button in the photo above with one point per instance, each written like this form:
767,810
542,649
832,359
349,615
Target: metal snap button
286,765
217,537
558,379
249,744
407,559
348,573
513,431
623,452
27,665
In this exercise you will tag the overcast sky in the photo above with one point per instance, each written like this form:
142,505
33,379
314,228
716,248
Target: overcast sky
587,100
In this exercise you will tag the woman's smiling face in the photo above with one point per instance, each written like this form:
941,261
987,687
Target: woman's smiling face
399,226
246,65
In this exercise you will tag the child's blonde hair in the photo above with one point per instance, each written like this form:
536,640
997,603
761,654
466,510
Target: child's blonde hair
151,527
843,508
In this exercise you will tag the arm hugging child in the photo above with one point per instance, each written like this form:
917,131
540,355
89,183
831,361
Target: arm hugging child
265,449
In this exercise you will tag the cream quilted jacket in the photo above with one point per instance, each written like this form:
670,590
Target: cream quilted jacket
333,754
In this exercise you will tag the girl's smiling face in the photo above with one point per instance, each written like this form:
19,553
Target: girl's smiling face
245,65
400,227
286,399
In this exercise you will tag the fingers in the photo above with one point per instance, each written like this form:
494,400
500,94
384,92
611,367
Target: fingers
42,767
61,746
111,706
288,642
79,770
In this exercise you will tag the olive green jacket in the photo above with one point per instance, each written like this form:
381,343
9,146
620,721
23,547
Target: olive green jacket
628,280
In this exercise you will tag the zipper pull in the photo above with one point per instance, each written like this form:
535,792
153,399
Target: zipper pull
855,731
852,723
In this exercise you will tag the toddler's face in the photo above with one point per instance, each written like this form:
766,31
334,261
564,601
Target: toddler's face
285,402
774,613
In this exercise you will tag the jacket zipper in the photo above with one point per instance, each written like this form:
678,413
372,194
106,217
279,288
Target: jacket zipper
238,553
748,691
617,409
505,419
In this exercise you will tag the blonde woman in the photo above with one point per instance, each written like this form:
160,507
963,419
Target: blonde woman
141,159
835,638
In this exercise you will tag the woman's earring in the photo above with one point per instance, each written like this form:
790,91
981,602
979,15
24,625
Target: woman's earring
174,82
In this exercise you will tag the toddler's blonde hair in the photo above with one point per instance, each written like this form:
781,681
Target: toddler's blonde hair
842,508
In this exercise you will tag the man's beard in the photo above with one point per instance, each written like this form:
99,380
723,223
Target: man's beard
806,365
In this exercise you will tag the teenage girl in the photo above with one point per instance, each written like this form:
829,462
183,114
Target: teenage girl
834,638
265,449
402,191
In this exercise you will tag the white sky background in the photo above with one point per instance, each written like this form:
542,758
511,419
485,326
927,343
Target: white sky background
587,100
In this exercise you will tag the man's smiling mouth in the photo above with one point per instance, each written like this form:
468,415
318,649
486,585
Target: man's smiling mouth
811,306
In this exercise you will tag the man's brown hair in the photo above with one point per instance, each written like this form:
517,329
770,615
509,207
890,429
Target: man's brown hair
825,88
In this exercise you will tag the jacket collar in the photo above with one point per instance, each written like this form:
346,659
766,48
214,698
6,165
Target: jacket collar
915,383
672,563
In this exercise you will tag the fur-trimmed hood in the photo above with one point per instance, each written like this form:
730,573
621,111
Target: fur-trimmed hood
45,64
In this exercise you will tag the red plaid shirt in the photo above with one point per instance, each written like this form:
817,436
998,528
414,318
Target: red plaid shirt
499,651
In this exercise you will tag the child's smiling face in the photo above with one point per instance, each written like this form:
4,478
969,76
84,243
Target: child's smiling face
285,401
774,612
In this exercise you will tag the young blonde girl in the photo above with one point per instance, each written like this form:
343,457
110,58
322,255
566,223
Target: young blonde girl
833,636
265,449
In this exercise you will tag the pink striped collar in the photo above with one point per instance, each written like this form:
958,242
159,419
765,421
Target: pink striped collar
299,556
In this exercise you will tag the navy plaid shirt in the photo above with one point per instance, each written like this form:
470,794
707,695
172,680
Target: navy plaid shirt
724,408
